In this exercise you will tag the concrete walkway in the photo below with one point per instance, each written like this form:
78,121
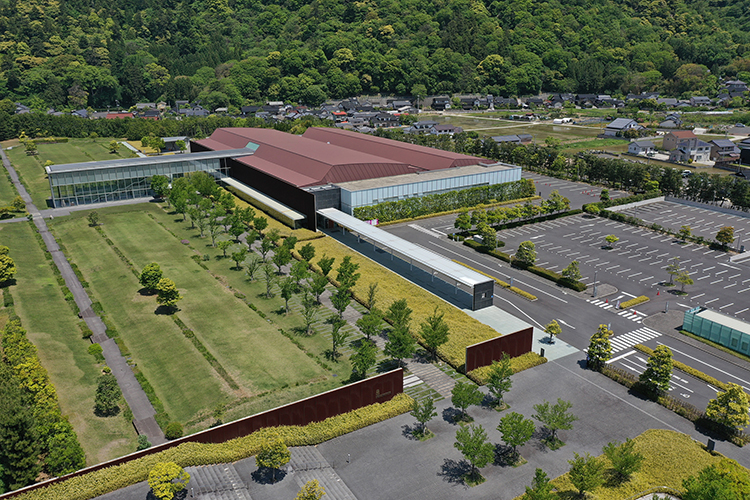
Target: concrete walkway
143,411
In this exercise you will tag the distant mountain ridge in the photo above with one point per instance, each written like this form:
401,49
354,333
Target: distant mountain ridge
73,54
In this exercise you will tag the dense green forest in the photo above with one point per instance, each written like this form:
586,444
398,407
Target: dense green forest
76,53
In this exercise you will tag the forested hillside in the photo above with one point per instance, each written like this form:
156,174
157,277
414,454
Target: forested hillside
76,53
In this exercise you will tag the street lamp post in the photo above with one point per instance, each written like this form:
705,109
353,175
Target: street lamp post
595,282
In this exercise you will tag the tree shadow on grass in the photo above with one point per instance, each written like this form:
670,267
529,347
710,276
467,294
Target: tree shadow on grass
265,475
166,310
145,292
453,471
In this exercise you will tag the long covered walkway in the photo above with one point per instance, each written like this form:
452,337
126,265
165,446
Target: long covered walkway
477,286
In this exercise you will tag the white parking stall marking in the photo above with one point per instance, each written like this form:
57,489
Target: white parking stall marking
730,304
700,295
742,310
712,300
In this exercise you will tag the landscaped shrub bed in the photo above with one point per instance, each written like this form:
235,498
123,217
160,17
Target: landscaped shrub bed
616,202
192,454
458,210
634,302
434,203
518,364
681,408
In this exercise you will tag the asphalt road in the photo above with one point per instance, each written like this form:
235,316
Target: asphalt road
580,314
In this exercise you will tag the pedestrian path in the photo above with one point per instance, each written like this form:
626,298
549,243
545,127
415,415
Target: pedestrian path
607,305
628,340
142,409
216,482
307,463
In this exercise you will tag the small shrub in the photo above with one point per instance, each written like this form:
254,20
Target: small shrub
517,364
634,302
143,443
96,351
173,431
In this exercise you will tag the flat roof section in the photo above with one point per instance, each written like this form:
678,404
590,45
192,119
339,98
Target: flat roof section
447,173
280,210
148,160
386,240
723,319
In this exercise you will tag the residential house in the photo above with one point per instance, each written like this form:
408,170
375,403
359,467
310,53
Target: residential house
195,110
672,120
421,126
744,146
119,114
339,116
513,139
693,150
400,104
22,109
672,138
441,103
150,114
668,102
700,101
724,152
385,120
445,129
735,86
619,126
535,101
170,143
80,113
246,111
642,96
506,102
583,99
142,106
641,148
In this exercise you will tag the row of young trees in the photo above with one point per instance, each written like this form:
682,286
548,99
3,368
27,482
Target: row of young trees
729,409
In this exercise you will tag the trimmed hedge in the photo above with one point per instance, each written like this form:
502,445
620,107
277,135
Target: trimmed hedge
459,210
434,203
517,364
681,408
522,293
110,479
634,302
623,201
539,271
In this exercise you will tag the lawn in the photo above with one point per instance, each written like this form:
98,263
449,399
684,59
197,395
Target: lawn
53,328
488,127
7,191
252,350
31,168
670,457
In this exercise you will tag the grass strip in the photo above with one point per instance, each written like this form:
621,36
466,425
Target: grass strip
518,291
190,335
103,481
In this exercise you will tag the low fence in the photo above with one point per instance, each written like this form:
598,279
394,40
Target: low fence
484,353
377,389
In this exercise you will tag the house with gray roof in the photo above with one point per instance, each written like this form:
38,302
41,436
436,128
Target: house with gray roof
641,148
620,125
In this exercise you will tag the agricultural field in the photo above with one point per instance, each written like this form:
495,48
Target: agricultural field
53,327
486,126
31,168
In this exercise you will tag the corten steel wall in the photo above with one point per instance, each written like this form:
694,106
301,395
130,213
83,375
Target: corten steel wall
484,353
378,389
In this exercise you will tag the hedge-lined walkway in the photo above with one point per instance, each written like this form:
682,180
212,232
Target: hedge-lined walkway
143,411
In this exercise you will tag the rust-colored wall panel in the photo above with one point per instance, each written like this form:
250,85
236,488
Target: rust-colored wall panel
378,389
485,353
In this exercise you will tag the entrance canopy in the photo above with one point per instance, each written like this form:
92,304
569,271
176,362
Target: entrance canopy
477,285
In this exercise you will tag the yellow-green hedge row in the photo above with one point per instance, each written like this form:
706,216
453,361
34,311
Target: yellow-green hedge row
464,330
459,210
191,454
507,286
687,369
634,302
518,364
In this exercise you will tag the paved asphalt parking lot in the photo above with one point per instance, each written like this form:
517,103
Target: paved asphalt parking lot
702,221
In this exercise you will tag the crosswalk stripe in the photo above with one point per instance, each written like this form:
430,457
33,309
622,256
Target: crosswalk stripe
628,340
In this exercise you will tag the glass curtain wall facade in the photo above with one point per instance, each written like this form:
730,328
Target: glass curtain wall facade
122,183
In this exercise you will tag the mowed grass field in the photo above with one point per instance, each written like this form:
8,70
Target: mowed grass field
254,353
7,192
53,327
489,127
31,168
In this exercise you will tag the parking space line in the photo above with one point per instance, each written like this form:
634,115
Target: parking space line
644,279
709,268
745,290
612,267
636,274
730,286
714,282
712,300
742,310
703,277
734,276
623,271
701,295
730,304
721,272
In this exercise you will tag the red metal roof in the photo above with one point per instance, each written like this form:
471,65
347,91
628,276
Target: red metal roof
114,116
682,134
302,161
419,156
